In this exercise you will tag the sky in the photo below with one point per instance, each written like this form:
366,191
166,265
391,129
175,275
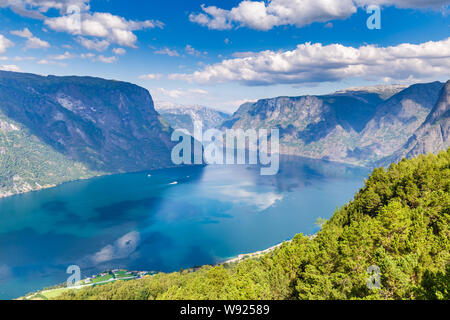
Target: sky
220,53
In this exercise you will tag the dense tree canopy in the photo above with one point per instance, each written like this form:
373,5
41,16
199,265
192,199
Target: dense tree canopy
398,222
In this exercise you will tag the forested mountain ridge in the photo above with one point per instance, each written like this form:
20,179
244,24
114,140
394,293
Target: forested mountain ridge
399,222
90,124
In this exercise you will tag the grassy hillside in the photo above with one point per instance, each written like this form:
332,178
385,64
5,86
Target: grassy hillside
399,222
26,163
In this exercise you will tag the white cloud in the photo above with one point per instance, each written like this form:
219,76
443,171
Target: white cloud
87,56
198,91
16,58
265,15
44,61
244,54
5,43
56,59
174,93
119,51
36,43
76,19
168,52
25,33
410,4
97,45
32,41
213,17
99,58
312,63
36,8
113,28
177,93
104,59
9,67
52,62
66,55
192,51
151,76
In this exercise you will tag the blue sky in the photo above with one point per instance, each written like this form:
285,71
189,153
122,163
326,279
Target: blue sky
223,53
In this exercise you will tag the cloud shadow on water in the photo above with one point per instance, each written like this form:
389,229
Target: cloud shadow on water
121,211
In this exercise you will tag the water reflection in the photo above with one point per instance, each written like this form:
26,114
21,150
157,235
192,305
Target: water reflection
169,220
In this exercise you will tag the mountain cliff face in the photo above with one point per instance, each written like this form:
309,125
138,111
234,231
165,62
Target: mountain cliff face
397,119
109,125
28,164
322,127
433,135
316,127
100,125
183,117
358,126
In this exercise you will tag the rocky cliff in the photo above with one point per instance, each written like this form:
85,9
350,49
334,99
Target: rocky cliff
433,135
358,125
103,126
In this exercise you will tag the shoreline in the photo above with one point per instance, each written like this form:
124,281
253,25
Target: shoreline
236,259
103,174
111,277
256,254
99,175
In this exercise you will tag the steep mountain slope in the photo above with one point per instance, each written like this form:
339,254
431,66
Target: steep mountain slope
183,117
107,126
433,135
321,127
27,164
397,119
357,125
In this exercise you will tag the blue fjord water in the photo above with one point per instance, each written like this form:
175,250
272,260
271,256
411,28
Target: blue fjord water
163,220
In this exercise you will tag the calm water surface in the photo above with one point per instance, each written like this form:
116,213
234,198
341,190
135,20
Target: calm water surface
163,220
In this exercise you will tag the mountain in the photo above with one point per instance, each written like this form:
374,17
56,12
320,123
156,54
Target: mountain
357,125
28,164
321,127
183,117
433,135
397,119
99,126
384,91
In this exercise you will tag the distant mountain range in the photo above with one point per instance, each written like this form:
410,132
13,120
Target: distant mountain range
57,129
183,116
364,126
433,135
